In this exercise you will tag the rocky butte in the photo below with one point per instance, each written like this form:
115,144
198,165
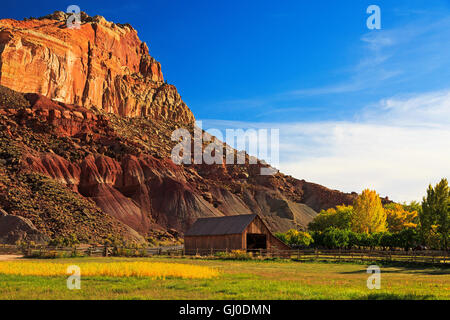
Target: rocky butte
85,142
102,65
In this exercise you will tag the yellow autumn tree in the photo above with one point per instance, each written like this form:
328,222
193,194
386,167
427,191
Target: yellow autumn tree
397,218
368,213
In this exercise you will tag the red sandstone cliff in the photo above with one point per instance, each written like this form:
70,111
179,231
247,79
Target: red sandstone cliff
102,65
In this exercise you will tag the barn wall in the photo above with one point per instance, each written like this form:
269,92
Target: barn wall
258,226
230,241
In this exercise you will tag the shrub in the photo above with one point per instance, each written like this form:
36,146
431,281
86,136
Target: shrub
235,255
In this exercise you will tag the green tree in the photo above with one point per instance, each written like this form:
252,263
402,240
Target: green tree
318,238
387,240
407,239
337,218
334,238
435,213
365,240
295,238
354,239
368,213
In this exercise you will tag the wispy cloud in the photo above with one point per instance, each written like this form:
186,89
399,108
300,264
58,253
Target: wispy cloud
398,147
389,57
395,55
431,109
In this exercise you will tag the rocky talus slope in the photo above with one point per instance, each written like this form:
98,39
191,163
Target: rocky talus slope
85,142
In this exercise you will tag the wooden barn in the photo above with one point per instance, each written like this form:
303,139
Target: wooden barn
240,232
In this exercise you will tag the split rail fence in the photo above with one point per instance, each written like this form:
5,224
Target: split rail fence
425,256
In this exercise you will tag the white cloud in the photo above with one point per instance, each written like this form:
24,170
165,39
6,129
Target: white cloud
428,109
398,148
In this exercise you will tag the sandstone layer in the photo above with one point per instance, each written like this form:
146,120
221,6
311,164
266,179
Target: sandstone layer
101,64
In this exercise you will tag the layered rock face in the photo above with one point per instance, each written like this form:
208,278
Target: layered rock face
102,65
16,228
111,165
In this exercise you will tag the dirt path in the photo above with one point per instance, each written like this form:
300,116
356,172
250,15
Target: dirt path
9,257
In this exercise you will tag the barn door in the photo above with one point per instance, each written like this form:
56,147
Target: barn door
256,241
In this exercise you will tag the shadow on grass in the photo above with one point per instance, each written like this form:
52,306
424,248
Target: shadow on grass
424,269
394,296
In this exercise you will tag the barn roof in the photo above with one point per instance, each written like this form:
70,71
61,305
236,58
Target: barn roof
221,225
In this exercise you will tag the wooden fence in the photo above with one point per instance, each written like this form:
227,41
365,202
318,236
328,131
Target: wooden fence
91,251
425,256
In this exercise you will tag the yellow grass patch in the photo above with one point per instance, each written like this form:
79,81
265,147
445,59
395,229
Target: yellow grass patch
152,270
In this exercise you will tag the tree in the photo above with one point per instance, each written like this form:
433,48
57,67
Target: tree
387,240
407,239
365,240
412,206
338,218
295,238
368,213
317,237
354,239
335,238
435,213
398,218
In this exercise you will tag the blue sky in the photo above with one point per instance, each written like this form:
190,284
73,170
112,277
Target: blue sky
356,108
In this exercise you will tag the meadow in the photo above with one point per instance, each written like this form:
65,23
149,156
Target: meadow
234,280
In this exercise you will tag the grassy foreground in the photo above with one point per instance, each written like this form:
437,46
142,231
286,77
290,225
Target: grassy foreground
237,280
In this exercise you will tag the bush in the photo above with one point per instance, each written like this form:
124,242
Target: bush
128,252
235,255
69,241
52,254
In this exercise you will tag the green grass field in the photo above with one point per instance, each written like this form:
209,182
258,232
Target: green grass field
240,280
